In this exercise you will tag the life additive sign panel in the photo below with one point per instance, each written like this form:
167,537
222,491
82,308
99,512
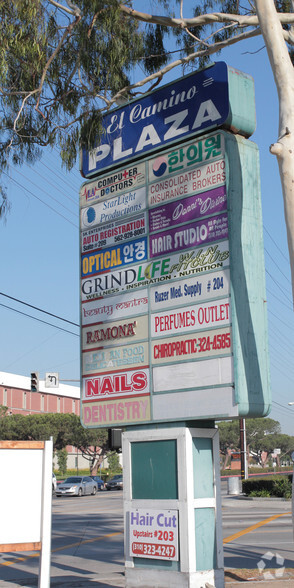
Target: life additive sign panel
170,248
178,265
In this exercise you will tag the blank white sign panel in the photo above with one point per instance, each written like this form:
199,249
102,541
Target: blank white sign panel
20,495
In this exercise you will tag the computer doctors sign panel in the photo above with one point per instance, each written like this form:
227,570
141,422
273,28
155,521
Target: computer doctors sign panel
170,248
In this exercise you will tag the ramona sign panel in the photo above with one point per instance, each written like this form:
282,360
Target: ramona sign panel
189,289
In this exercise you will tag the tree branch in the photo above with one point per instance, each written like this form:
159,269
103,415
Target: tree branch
64,8
203,19
185,60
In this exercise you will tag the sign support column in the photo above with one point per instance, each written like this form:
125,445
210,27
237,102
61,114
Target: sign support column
167,471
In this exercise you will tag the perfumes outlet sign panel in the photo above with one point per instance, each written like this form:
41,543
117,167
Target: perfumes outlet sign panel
172,305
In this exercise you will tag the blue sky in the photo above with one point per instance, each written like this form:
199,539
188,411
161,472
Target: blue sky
40,255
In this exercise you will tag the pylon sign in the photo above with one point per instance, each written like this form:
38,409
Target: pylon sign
172,272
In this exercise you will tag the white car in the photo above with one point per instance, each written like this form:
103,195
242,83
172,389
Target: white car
77,486
54,483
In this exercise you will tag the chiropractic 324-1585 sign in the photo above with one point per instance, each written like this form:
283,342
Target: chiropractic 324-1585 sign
172,277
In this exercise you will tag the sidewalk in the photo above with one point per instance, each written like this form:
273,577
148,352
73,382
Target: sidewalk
233,579
253,579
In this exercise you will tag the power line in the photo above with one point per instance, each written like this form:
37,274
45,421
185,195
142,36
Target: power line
281,405
279,299
39,309
70,185
283,323
277,266
37,197
55,186
47,193
279,286
281,252
39,320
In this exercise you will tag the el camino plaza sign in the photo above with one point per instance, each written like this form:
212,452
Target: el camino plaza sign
172,278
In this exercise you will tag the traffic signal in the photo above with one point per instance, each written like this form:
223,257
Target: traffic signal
114,439
34,381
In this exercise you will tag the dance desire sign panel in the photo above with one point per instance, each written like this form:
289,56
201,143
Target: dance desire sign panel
173,321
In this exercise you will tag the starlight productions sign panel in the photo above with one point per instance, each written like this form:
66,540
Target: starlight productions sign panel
161,325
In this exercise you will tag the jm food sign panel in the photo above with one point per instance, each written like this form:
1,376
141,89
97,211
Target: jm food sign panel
170,327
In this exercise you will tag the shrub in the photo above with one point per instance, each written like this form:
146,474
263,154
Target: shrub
271,486
282,487
62,461
262,492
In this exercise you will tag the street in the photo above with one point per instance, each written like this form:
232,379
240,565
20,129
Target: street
87,541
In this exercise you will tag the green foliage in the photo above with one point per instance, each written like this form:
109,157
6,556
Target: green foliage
277,486
262,434
229,435
154,49
66,429
3,411
59,71
113,463
39,427
263,493
53,68
283,487
62,461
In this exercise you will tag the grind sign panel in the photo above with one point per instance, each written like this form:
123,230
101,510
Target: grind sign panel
172,275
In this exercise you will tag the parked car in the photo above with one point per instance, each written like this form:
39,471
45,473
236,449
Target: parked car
99,481
77,486
116,483
53,482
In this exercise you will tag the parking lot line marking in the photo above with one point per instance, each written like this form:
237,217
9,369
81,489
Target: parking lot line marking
87,541
37,553
77,543
254,527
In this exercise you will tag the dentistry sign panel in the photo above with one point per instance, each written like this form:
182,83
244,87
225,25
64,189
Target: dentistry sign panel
172,288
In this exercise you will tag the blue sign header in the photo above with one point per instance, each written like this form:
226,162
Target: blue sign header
186,107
